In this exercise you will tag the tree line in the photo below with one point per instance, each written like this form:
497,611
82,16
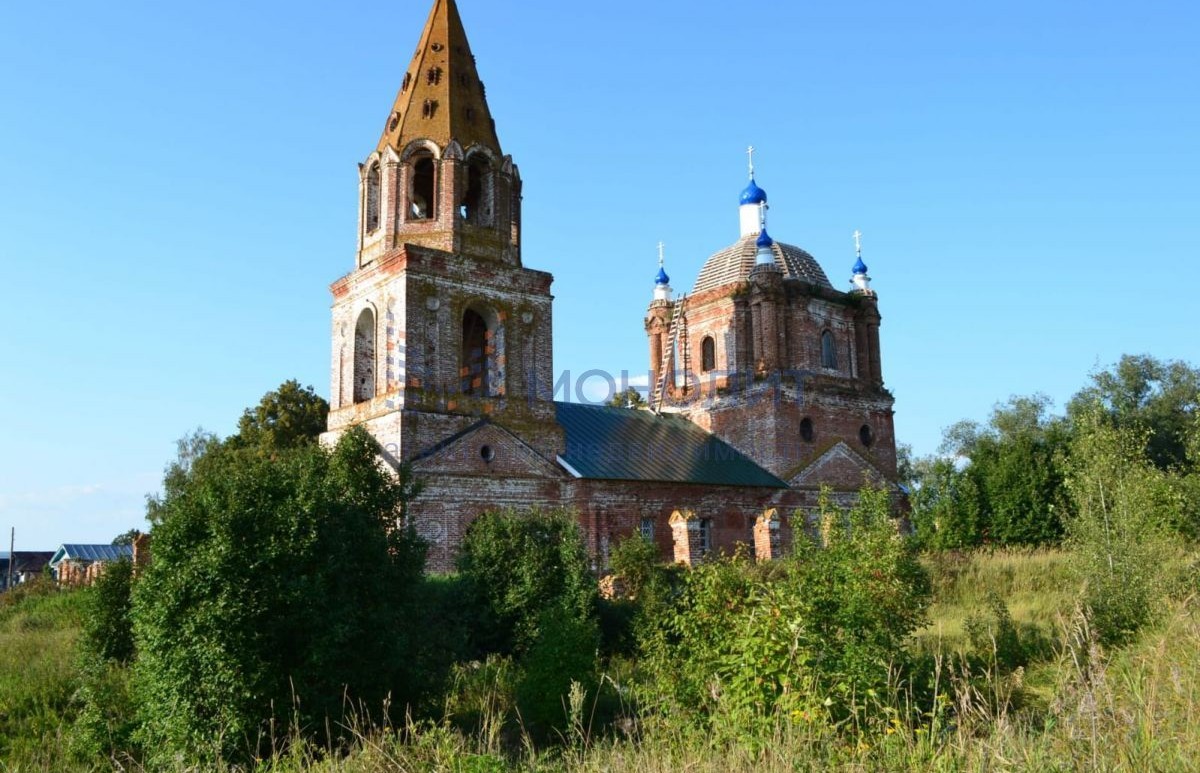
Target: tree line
1006,482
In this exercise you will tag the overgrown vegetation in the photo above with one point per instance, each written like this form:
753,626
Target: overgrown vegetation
1005,483
284,625
820,634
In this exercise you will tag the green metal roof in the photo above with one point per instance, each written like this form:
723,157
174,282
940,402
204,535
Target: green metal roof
606,443
91,553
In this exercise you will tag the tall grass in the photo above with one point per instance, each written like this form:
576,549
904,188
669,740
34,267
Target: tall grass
1036,586
1136,709
38,672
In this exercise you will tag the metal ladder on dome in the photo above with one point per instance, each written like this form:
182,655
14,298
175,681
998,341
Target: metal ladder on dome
676,333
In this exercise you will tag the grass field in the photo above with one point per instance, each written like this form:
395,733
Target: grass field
1073,708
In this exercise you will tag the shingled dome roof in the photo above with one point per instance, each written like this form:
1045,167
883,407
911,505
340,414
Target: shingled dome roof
734,264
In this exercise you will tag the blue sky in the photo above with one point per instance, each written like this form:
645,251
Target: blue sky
178,187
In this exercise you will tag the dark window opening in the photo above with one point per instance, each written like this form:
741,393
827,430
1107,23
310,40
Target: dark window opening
828,351
435,75
407,82
421,200
474,372
364,357
373,199
705,536
476,204
647,529
429,108
708,354
806,430
487,453
866,436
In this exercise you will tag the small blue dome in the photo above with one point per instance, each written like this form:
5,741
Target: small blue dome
860,267
662,278
764,240
753,194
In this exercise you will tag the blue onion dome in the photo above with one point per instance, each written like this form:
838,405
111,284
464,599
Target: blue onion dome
753,194
662,278
860,267
764,240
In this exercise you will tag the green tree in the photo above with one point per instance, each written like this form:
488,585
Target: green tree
189,450
1121,536
1158,398
275,591
126,537
1013,488
288,417
629,398
945,505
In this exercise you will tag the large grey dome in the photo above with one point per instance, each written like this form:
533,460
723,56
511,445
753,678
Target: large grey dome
734,264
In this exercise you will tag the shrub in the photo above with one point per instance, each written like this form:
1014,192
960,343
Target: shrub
636,561
107,630
994,637
536,598
1122,535
818,632
276,587
563,652
516,566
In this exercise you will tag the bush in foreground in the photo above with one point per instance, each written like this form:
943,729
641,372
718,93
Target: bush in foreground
821,633
274,594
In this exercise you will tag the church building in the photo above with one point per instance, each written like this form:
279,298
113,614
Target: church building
766,380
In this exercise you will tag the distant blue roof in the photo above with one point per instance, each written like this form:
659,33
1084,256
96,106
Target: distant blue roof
860,267
662,278
91,553
764,239
753,194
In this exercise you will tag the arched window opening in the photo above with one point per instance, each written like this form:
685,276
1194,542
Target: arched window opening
421,189
474,372
828,351
364,357
806,430
708,354
476,205
866,436
373,199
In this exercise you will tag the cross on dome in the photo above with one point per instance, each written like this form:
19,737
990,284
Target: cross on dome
661,280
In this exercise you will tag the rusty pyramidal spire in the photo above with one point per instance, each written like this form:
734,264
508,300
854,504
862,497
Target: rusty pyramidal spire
441,97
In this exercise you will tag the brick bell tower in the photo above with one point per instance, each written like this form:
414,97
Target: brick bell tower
439,324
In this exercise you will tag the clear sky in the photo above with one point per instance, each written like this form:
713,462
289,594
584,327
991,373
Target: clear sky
178,189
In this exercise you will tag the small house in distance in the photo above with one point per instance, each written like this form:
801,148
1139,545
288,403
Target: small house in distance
82,564
26,565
